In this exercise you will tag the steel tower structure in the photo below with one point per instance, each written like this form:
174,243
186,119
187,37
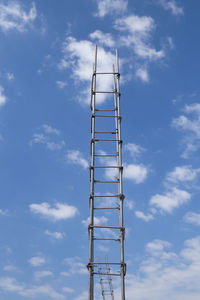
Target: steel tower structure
107,159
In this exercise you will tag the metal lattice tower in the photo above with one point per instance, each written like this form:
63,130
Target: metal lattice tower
107,159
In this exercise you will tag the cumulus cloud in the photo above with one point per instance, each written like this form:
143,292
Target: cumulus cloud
170,200
3,98
76,157
14,17
111,7
135,172
142,73
164,274
190,126
36,261
60,211
172,6
79,57
144,217
139,31
182,174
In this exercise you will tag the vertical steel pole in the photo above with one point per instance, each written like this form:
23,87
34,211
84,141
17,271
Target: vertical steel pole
120,188
91,229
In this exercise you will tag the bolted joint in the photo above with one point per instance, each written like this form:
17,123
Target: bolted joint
120,141
119,118
118,75
123,266
122,197
122,229
121,168
92,141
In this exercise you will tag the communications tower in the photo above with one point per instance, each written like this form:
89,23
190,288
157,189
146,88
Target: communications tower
106,199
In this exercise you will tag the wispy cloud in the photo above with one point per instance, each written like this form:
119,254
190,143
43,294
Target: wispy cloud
3,98
36,261
76,157
190,126
55,234
144,217
75,265
138,33
101,38
193,218
60,211
172,6
14,17
47,138
105,7
42,274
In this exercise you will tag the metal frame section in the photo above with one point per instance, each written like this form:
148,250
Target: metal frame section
95,267
106,282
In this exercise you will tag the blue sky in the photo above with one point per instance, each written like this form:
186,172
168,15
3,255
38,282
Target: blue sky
47,51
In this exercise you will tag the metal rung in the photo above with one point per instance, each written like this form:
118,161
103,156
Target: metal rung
106,227
106,155
106,116
105,263
107,196
105,208
103,167
102,132
106,274
106,73
105,92
106,181
106,239
107,140
105,109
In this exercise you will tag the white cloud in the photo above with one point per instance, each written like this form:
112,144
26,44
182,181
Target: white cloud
45,138
67,289
142,73
134,150
172,6
182,174
56,235
111,7
61,84
75,265
139,31
10,284
79,56
190,126
101,38
193,218
9,268
170,200
36,261
13,16
137,173
129,204
76,157
3,212
142,216
165,274
42,274
97,221
60,211
10,76
3,98
49,129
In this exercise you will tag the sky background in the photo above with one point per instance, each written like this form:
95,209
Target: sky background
47,52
